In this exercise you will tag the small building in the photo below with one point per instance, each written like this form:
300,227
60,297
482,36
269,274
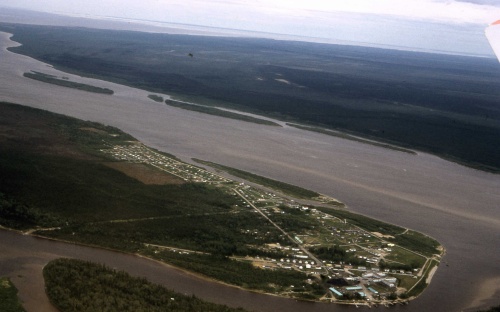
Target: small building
354,288
373,290
336,292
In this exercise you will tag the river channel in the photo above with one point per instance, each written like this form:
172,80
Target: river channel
456,205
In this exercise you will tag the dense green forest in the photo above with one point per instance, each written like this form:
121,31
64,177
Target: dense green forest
442,104
75,285
8,297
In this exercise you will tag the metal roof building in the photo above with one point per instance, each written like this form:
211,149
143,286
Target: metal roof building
354,288
336,292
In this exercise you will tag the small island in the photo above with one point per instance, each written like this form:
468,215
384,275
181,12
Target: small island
156,98
64,82
220,112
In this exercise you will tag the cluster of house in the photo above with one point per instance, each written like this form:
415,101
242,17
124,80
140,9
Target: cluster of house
139,153
363,287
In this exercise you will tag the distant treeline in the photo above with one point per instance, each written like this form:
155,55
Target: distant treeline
443,104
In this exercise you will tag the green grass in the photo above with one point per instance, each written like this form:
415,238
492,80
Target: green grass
65,83
422,284
279,186
412,240
417,242
406,281
402,255
9,301
366,223
219,112
75,285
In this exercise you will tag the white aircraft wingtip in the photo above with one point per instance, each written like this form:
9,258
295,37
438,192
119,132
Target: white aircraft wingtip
493,34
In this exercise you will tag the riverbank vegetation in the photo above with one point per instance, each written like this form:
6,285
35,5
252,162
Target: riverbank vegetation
418,101
66,83
9,302
346,136
75,285
239,273
219,112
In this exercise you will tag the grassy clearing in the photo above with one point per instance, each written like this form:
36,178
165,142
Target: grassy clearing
412,240
65,83
422,284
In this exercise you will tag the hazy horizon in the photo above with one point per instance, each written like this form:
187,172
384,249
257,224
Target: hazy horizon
443,26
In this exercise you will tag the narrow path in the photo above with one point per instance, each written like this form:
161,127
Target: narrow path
313,257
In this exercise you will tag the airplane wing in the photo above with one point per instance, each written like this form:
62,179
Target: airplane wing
493,34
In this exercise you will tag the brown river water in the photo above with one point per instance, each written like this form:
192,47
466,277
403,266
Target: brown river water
456,205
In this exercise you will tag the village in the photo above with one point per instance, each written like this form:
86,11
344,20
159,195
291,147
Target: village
359,266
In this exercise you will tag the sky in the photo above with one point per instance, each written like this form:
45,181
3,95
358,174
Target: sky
450,26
